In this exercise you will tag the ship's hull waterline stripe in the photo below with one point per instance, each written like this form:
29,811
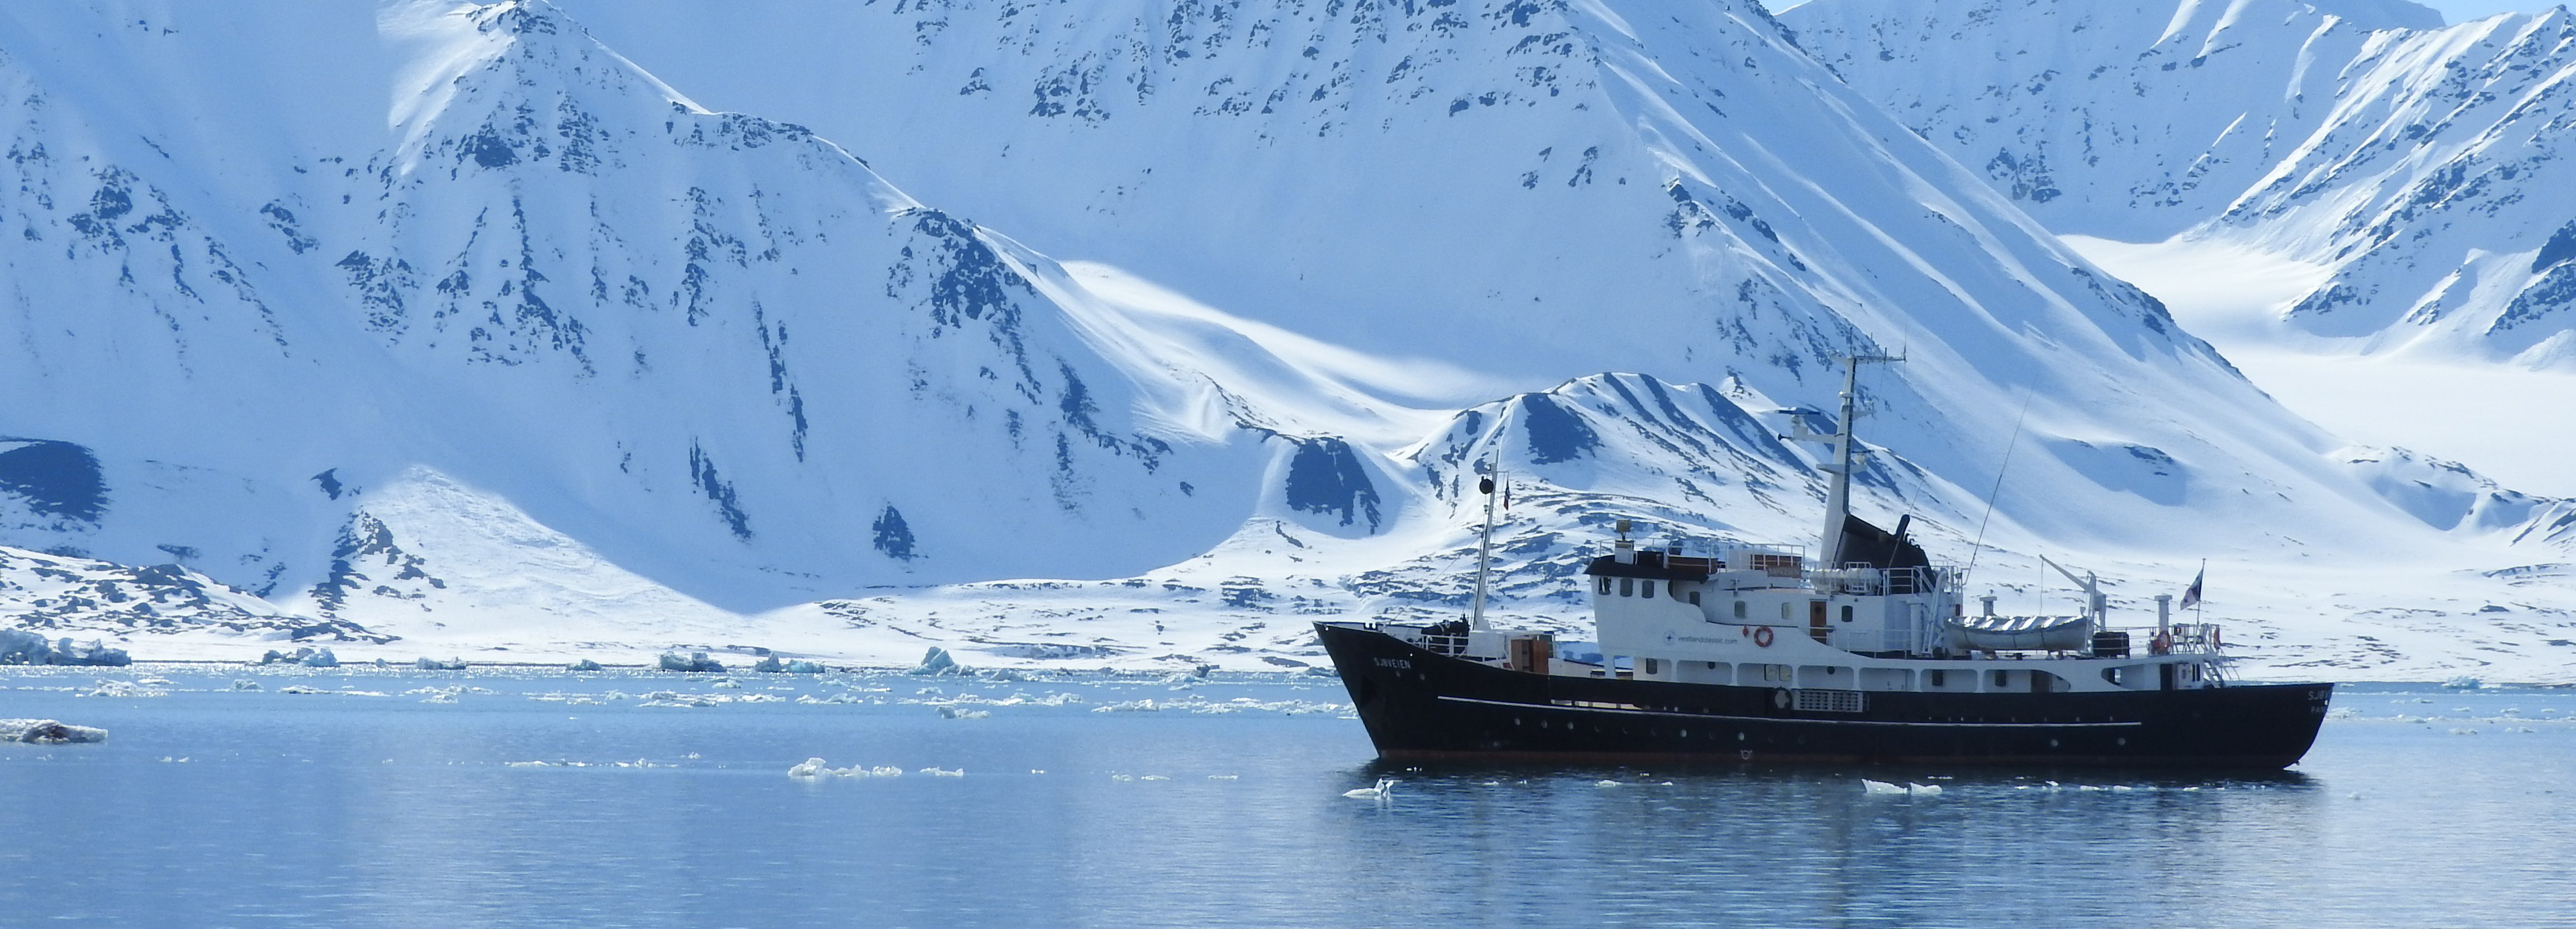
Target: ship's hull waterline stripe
1776,719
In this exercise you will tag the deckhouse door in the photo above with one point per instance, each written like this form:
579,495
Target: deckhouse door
1816,621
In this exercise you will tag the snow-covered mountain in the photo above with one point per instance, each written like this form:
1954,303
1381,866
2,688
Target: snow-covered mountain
466,329
2417,163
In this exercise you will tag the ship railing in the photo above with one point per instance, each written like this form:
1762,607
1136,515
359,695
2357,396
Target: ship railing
2176,639
1444,644
1869,580
1784,561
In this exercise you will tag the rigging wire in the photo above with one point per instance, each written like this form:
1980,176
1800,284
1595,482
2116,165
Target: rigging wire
1979,547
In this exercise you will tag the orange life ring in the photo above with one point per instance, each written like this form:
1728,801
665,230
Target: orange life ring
1762,636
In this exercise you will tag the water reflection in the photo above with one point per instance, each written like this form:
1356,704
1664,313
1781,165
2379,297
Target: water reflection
352,811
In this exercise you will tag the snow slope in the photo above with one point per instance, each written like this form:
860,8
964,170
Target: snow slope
2417,162
522,350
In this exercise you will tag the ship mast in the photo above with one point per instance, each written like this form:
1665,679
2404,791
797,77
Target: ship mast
1838,492
1485,548
1489,484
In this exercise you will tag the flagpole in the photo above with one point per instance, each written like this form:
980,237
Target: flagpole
2200,604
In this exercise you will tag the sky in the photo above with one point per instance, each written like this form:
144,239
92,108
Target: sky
2453,11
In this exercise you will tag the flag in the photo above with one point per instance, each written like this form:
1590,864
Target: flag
2191,595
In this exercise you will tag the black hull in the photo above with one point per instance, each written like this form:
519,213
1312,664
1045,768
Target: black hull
1419,705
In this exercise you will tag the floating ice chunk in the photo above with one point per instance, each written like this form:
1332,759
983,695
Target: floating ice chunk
321,658
950,712
1607,783
2464,682
1923,790
528,764
433,664
887,770
22,647
935,771
124,689
1212,777
18,646
583,665
938,661
697,661
1155,777
728,685
801,666
246,685
769,665
2464,732
1880,788
301,689
48,732
1384,790
813,767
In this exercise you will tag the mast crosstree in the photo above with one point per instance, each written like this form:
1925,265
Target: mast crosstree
1838,489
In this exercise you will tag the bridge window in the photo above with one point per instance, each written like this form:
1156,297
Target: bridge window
1627,587
1604,586
1847,612
1646,589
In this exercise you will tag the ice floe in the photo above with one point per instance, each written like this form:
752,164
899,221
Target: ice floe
1384,790
18,646
816,767
48,732
697,661
938,661
124,689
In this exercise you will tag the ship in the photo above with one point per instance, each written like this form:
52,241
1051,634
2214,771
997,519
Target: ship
1860,651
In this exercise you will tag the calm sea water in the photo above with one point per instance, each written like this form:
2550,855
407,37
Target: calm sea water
382,803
